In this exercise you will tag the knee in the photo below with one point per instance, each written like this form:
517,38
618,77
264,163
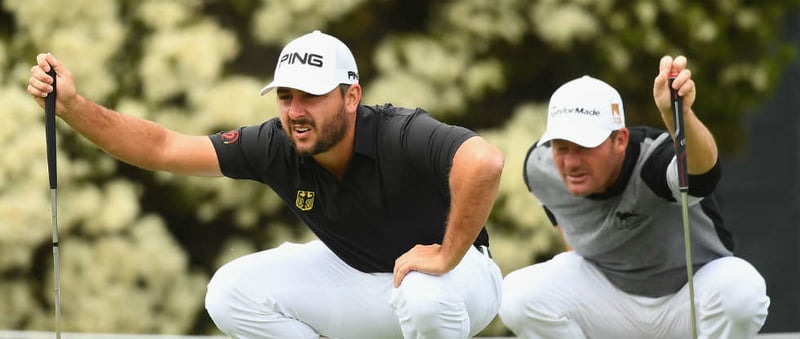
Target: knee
534,294
742,296
217,301
429,316
431,311
513,301
743,301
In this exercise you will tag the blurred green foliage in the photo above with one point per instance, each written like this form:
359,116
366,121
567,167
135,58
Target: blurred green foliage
138,247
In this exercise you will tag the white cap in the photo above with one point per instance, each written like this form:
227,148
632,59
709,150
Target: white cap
314,63
584,111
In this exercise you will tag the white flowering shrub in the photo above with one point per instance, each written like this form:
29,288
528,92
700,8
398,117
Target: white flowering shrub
439,78
279,21
178,60
122,269
137,247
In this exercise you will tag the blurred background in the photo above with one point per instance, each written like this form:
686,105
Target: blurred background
137,247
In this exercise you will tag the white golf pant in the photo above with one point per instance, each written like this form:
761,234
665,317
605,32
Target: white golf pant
567,297
306,291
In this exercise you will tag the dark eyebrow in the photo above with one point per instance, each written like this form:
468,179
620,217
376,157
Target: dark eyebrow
285,91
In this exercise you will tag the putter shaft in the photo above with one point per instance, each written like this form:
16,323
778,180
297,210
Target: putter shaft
56,262
683,184
50,136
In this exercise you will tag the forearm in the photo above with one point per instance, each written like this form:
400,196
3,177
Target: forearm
701,148
134,140
128,138
474,182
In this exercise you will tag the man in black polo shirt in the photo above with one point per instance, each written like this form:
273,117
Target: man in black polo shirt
397,199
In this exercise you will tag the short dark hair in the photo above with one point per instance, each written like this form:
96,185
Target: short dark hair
343,88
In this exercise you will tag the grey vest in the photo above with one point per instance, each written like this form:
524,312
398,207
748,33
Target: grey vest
634,237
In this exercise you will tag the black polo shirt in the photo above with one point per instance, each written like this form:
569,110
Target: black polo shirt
394,195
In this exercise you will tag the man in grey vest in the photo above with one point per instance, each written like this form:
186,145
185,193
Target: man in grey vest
613,194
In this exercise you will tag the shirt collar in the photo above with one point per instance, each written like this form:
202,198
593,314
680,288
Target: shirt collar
365,143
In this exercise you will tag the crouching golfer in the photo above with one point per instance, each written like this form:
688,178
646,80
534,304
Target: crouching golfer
613,193
397,199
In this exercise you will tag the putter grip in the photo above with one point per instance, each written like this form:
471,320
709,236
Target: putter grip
680,135
50,131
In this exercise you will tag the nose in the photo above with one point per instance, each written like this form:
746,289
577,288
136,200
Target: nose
572,159
295,108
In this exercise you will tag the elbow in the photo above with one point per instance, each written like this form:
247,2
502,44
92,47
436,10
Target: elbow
478,160
495,163
492,162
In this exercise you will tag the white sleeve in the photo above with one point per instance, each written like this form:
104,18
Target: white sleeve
672,182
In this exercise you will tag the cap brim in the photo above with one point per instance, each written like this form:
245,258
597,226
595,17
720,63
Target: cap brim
267,88
589,138
318,89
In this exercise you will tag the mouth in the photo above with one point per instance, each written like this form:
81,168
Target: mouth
579,184
576,177
300,130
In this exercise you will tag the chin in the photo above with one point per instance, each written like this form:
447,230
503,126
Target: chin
304,151
579,191
580,194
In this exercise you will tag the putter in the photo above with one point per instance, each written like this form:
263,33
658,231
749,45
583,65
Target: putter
683,184
50,136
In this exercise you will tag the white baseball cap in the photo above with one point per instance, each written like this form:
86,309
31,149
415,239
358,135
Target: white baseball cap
584,111
314,63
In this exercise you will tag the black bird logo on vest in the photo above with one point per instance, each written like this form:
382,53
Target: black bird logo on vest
629,220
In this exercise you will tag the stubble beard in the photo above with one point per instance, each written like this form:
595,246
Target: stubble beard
330,135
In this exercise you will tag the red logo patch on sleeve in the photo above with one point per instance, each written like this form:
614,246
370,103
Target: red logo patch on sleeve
229,137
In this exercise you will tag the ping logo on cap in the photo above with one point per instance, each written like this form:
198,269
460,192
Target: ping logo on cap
314,63
310,59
